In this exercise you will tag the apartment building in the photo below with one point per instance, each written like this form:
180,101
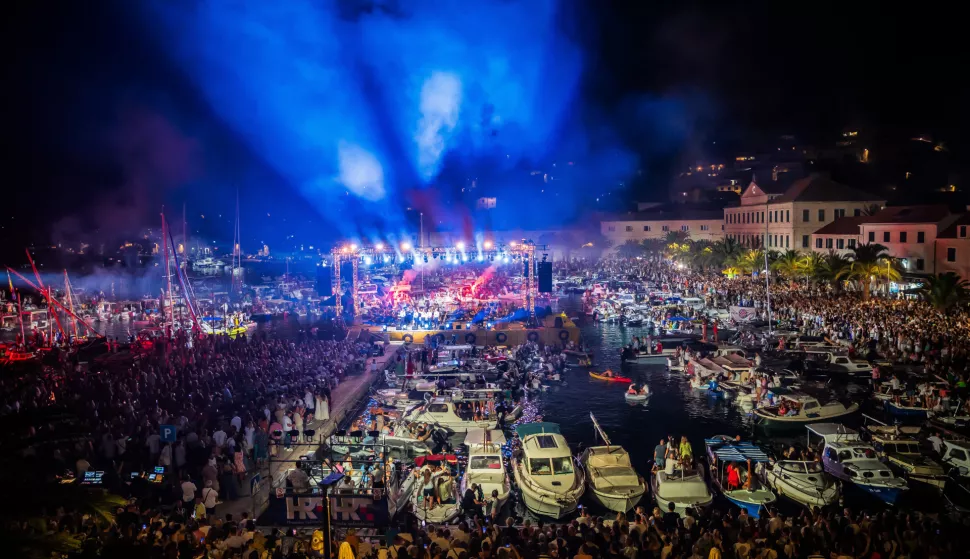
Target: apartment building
840,236
786,219
953,247
910,234
700,225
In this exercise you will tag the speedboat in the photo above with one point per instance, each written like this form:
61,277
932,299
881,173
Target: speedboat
611,478
543,467
485,465
797,409
443,412
685,488
850,459
749,493
444,505
802,481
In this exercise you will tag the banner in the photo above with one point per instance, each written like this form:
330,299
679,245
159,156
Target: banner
364,511
744,314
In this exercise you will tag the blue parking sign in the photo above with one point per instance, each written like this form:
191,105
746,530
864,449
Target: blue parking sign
167,433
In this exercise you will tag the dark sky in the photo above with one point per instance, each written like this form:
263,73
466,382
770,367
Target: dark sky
82,85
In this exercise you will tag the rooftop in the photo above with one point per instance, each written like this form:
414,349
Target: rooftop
675,212
911,214
844,226
951,231
818,188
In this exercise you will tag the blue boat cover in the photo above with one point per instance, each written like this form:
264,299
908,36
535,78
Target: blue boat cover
527,429
733,451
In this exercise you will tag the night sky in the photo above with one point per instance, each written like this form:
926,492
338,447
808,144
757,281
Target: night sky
103,125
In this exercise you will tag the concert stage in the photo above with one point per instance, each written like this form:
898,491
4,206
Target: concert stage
555,330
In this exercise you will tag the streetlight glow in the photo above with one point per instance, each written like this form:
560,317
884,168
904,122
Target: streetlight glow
460,245
488,245
405,246
379,246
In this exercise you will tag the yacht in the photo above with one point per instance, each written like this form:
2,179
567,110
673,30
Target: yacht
443,412
751,493
802,481
610,476
485,465
544,470
848,458
685,488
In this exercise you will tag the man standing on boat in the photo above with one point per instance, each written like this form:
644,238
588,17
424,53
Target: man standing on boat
660,454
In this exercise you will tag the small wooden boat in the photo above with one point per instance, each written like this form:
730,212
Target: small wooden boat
612,378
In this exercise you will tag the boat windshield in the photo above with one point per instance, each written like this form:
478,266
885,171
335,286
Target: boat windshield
562,465
540,467
814,467
487,463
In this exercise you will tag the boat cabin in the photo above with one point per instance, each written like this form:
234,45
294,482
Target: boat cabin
957,455
547,457
847,456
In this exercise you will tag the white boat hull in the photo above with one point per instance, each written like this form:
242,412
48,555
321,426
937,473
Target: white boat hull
617,503
546,503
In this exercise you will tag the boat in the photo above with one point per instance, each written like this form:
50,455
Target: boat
442,411
807,410
610,476
544,471
751,494
613,377
847,457
685,488
447,504
897,446
485,465
641,395
802,481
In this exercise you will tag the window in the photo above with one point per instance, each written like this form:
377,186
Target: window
951,255
776,241
872,236
920,237
629,228
920,264
851,243
886,235
646,228
685,227
722,227
776,216
664,228
963,231
840,244
821,215
705,227
805,215
562,465
828,242
540,467
611,228
486,462
857,212
787,216
840,212
769,217
761,217
902,236
818,242
804,241
957,454
787,240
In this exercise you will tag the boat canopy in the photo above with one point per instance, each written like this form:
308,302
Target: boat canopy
831,432
731,451
527,429
477,436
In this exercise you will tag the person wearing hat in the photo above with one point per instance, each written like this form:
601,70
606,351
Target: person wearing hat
209,498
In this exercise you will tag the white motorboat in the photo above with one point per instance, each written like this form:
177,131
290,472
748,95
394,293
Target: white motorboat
611,478
443,504
804,482
544,470
443,412
795,410
685,488
848,458
485,465
635,395
724,453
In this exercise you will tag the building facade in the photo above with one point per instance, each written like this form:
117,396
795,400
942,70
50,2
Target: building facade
909,234
953,248
783,220
700,225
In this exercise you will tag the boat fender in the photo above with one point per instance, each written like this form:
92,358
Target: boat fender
408,338
470,338
563,335
533,336
501,337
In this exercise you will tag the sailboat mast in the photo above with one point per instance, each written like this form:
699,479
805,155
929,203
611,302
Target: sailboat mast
168,278
70,301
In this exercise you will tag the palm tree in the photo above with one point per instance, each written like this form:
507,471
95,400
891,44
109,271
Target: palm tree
870,261
832,267
871,210
749,262
676,237
813,265
945,290
725,252
788,264
630,249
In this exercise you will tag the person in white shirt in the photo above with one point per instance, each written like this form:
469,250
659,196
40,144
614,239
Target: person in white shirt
188,491
209,498
219,437
82,466
153,442
236,422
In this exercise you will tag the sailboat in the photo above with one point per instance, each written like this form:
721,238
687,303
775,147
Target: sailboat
610,476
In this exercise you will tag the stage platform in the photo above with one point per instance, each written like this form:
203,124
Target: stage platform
554,330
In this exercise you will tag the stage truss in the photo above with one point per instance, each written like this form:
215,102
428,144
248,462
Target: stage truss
524,251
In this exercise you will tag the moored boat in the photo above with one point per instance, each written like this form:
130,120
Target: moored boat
795,410
612,480
544,471
485,465
802,481
848,458
743,487
684,487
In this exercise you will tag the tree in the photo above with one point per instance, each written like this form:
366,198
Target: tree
751,261
871,210
630,249
813,265
654,246
944,291
870,262
726,252
676,237
788,264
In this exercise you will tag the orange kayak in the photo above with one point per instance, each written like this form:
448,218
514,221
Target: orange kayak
614,378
